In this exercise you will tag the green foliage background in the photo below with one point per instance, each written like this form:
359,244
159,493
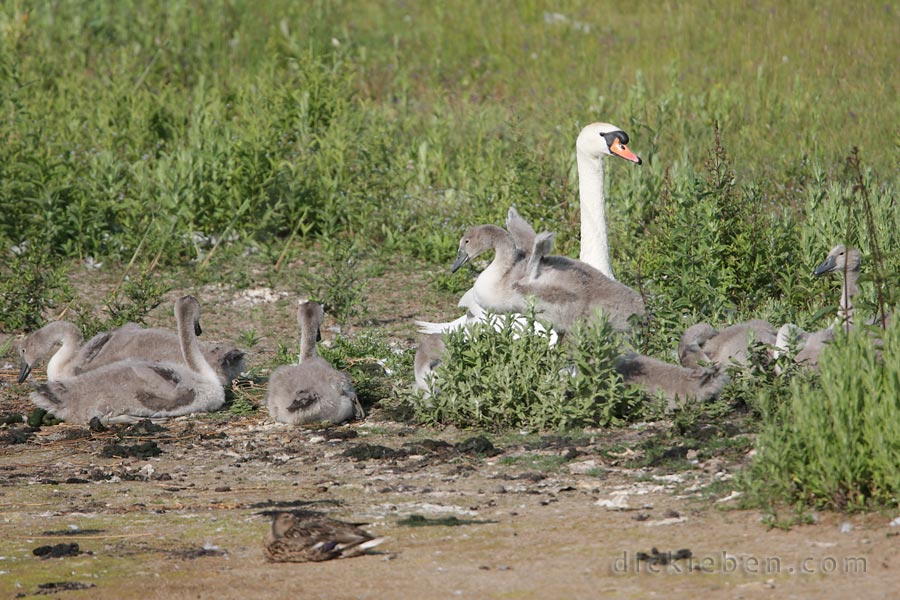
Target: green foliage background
129,119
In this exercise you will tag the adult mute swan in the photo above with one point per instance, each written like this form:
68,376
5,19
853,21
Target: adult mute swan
594,142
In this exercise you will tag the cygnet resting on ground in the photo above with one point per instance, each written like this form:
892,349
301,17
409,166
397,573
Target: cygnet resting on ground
132,389
312,390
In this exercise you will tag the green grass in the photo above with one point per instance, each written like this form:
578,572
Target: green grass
182,136
207,124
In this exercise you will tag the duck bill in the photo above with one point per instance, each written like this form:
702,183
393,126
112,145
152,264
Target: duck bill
461,259
24,372
826,267
623,151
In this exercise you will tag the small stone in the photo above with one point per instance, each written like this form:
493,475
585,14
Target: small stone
97,426
582,467
222,488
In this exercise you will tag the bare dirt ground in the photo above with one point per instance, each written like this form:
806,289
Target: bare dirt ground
515,515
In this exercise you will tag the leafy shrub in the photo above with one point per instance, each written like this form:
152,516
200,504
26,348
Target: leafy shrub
836,443
130,302
512,377
31,282
374,366
338,280
598,388
715,250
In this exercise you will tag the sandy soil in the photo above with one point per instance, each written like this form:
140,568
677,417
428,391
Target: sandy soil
540,517
191,521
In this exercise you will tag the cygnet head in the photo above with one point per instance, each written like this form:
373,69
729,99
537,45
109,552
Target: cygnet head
476,240
41,342
313,315
841,258
599,139
187,308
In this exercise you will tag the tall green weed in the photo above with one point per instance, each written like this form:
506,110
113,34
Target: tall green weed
836,443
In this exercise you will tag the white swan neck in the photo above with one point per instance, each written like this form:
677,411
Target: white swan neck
307,343
61,363
190,349
594,241
849,289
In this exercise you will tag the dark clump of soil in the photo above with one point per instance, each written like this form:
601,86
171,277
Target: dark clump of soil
11,419
66,532
144,427
192,553
97,426
283,505
77,434
532,476
420,521
663,558
100,475
338,434
57,551
55,587
429,447
553,441
19,435
145,450
367,451
72,480
479,446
